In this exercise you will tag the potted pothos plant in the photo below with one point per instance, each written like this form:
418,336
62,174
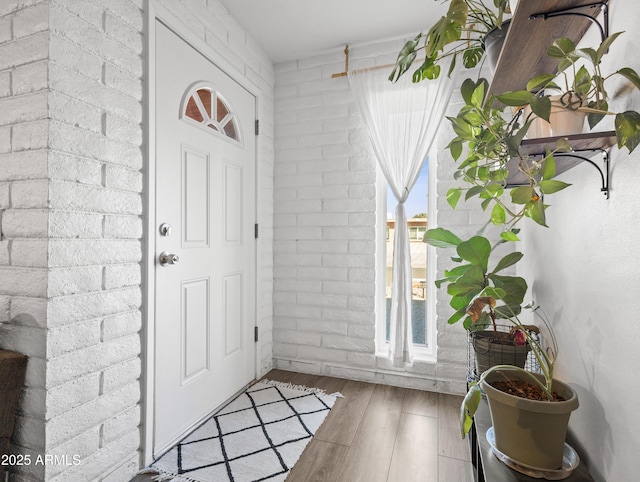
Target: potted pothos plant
581,87
485,143
462,31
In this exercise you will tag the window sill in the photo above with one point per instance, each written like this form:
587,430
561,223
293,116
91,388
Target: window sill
421,354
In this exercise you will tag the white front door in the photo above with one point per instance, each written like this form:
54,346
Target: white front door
205,214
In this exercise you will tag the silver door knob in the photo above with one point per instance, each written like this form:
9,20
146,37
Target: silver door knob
168,258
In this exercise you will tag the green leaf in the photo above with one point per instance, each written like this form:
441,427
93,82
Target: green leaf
453,196
477,98
467,88
541,106
441,238
455,147
509,236
628,129
471,56
469,407
539,82
589,54
522,194
428,70
604,46
631,76
594,118
549,166
448,29
535,210
551,186
561,48
563,145
498,215
474,191
515,98
405,59
457,315
476,250
473,277
456,272
515,288
508,260
473,118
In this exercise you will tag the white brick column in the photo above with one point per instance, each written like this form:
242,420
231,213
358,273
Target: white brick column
24,209
72,170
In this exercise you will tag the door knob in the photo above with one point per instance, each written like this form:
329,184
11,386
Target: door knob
168,258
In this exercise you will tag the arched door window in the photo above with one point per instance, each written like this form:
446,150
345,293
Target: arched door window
205,106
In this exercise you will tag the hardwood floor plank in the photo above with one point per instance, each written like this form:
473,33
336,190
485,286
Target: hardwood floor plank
454,469
415,454
421,402
451,444
370,454
320,461
280,376
346,414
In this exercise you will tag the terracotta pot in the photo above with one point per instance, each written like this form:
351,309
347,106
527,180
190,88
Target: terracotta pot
528,431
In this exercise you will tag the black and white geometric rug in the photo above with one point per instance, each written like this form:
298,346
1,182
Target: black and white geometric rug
258,436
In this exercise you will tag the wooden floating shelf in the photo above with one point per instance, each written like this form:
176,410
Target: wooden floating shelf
524,53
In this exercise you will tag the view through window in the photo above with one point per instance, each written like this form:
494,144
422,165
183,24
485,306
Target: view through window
416,207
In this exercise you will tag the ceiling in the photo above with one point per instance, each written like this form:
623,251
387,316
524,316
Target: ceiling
294,29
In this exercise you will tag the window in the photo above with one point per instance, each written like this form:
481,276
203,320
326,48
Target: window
206,107
418,209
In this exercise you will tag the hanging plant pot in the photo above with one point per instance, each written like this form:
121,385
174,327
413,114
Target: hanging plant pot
495,348
531,432
493,42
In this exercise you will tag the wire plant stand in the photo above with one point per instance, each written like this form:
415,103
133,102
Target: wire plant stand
485,350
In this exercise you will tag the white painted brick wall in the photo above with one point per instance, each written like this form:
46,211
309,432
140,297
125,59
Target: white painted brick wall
71,218
325,204
23,205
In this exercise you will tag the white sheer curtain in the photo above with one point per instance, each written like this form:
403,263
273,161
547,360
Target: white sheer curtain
402,120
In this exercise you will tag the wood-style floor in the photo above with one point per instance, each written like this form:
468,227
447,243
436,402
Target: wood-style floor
378,433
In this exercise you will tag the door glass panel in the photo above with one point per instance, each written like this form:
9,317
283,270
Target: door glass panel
199,109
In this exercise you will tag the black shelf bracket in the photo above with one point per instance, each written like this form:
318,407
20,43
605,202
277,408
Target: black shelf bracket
604,172
578,11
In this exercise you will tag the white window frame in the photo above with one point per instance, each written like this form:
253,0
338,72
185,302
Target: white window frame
420,352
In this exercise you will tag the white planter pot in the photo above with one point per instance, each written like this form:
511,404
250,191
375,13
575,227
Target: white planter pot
562,121
528,431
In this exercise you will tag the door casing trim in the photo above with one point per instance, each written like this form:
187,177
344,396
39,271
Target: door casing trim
156,12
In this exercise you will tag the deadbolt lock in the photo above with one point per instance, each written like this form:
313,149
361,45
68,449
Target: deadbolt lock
165,229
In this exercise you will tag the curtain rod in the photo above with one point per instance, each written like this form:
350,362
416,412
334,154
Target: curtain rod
346,66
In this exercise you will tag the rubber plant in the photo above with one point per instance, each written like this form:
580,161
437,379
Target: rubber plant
460,32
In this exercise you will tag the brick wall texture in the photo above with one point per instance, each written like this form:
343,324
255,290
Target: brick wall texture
325,231
72,217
